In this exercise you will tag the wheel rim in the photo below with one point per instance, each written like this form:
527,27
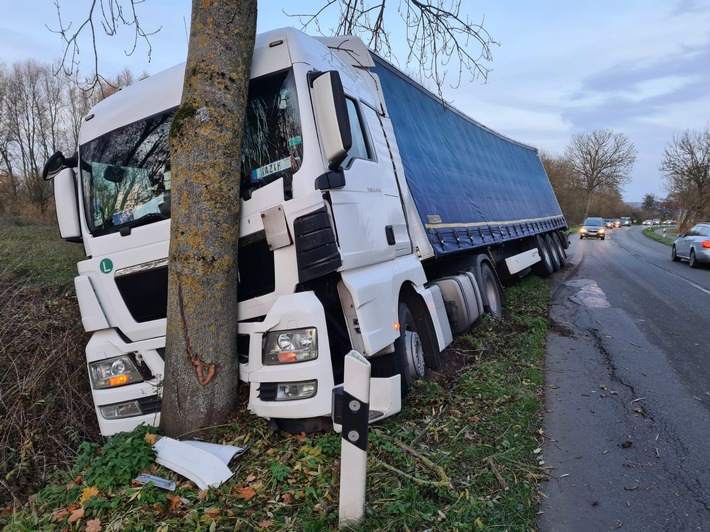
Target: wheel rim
492,296
415,353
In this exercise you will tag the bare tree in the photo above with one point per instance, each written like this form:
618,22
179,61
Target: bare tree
686,168
32,127
566,185
602,160
201,369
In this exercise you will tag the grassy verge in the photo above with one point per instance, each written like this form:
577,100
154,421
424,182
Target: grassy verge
45,401
463,453
668,239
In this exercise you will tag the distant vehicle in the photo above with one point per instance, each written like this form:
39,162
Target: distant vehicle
616,222
668,222
693,245
625,221
608,222
592,228
656,221
647,222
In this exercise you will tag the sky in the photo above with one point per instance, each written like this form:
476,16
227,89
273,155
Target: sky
637,67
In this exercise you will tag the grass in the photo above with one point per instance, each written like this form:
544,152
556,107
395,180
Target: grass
35,250
651,233
463,454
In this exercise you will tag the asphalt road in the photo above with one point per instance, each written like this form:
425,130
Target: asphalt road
627,407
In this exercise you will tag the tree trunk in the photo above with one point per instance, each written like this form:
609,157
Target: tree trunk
201,366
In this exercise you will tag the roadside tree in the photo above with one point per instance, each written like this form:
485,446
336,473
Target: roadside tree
602,161
686,168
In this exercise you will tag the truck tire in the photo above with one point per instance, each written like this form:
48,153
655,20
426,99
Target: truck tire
544,268
558,238
409,349
489,286
554,253
407,360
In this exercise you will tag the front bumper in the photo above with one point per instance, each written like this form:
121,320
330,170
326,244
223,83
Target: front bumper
293,311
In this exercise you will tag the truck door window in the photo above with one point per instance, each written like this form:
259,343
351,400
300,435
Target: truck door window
360,148
273,145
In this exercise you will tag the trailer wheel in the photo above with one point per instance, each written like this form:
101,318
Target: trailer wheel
554,252
544,268
490,287
558,239
409,349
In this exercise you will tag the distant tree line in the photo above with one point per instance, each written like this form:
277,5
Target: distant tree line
41,110
589,177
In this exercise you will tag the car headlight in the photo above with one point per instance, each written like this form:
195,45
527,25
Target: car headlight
114,372
287,347
601,230
582,230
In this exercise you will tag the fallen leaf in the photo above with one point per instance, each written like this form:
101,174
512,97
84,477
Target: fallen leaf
203,495
151,439
287,498
266,523
175,502
247,493
76,515
93,525
212,512
89,492
250,478
58,515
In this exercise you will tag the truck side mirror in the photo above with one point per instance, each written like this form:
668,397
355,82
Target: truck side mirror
331,116
60,169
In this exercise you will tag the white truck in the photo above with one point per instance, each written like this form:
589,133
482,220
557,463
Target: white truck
374,217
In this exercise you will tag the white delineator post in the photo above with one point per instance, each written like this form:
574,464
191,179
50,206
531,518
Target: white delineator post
353,447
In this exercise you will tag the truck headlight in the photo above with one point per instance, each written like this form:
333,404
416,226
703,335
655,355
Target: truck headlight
113,372
287,347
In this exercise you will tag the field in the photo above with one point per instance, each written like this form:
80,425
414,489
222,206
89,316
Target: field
464,453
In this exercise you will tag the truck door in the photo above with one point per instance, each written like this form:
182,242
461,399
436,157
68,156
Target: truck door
368,213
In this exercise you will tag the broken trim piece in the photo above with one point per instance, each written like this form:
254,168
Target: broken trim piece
203,468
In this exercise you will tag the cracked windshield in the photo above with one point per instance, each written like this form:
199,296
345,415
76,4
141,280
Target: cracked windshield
126,175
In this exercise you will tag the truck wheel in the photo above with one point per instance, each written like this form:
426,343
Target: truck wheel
491,289
557,241
409,349
554,254
543,268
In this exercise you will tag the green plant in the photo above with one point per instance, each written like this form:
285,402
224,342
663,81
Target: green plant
120,460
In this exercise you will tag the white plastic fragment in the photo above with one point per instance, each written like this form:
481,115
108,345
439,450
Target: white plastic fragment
224,452
203,468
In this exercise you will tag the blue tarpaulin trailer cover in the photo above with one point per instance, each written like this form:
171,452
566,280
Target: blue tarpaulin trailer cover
472,186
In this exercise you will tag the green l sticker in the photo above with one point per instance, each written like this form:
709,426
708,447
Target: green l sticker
106,266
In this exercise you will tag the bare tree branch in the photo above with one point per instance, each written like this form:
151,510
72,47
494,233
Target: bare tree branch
110,15
436,33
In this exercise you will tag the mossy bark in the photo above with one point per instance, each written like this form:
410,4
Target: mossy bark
201,366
